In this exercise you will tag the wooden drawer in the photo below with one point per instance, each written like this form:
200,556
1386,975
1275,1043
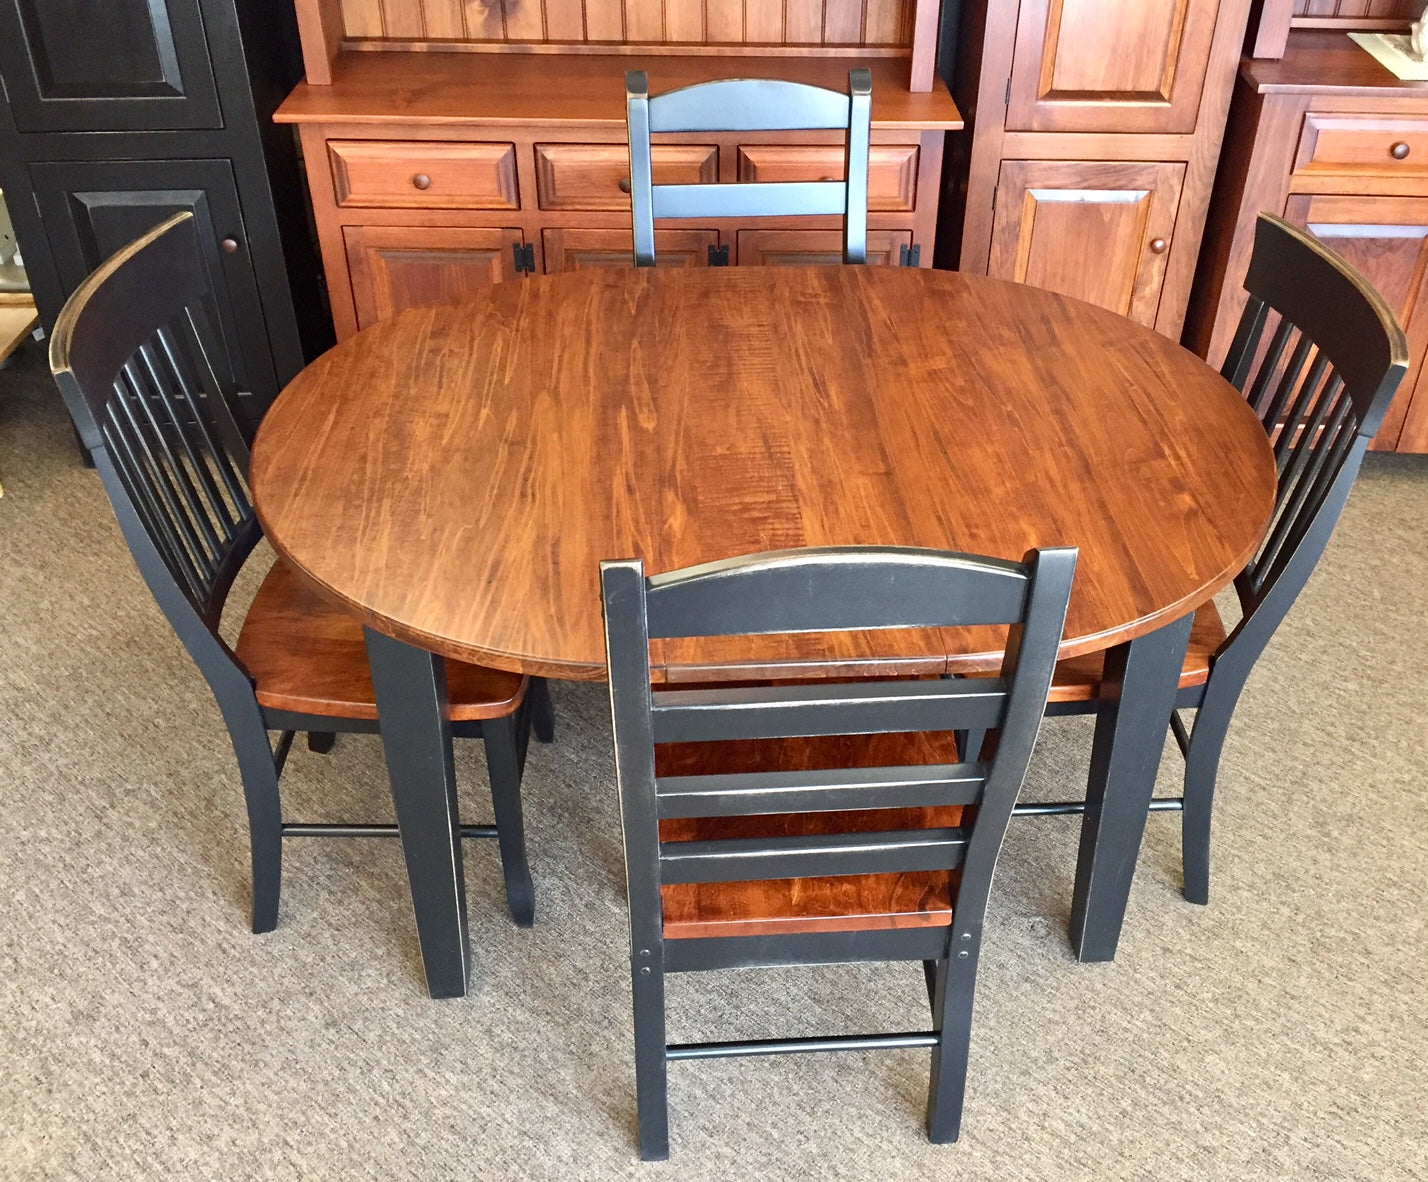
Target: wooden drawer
589,176
892,169
1377,144
379,174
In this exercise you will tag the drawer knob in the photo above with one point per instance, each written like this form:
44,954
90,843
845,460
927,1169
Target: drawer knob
229,245
1399,151
624,184
1158,245
421,181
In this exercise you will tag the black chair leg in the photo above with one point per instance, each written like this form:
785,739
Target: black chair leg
1202,767
503,764
952,1011
265,823
542,711
651,1059
322,742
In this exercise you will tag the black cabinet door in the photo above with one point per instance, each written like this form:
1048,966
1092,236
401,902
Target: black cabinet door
107,65
92,208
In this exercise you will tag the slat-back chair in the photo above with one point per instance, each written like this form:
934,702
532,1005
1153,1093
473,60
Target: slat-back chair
816,823
144,379
1319,355
750,104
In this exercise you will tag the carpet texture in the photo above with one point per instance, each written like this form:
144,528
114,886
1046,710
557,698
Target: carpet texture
145,1033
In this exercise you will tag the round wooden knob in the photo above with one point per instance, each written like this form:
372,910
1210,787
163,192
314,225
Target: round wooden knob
1158,245
230,245
421,181
624,184
1399,151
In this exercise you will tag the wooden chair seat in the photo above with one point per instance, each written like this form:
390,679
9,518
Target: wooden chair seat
308,656
1078,679
861,902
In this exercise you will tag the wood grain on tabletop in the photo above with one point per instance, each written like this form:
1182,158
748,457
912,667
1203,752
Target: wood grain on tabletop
456,474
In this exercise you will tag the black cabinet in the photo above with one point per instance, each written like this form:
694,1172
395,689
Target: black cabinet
121,112
107,65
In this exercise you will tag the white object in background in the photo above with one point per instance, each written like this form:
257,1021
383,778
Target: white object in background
1394,52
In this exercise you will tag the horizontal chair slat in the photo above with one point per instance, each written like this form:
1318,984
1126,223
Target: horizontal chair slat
814,856
741,794
750,200
785,711
788,948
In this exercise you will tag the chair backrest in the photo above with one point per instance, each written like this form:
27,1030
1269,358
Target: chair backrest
1321,382
826,590
142,373
751,104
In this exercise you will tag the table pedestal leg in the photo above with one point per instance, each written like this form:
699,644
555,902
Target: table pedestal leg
1139,688
416,735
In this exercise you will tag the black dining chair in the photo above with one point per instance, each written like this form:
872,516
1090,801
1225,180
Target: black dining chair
750,104
796,823
1318,355
143,376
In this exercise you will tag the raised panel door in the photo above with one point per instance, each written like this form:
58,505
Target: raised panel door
397,267
91,208
124,65
1099,231
1110,65
580,249
801,248
1386,238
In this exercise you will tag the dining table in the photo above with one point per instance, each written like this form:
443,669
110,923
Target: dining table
454,475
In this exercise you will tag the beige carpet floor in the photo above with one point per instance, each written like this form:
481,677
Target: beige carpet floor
1280,1033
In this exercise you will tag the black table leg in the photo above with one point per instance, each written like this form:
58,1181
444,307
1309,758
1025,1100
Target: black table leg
1141,678
416,734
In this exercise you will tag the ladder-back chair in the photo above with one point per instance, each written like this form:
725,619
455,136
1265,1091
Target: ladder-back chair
750,104
796,823
1318,355
144,378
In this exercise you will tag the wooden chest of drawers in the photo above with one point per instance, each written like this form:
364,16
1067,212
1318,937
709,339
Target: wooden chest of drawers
435,173
1331,140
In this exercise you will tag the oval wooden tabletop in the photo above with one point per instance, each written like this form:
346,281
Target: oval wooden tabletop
456,474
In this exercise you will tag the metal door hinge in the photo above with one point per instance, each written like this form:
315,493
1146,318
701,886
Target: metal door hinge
718,256
524,257
909,256
1006,99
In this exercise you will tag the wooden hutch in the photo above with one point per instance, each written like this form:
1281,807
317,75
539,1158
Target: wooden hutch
452,144
1323,134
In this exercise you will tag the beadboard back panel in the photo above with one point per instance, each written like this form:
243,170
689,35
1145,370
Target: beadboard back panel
868,24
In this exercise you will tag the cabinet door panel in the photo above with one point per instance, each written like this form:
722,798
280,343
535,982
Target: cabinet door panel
90,209
800,248
1110,65
1387,239
579,249
397,267
1098,231
143,67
